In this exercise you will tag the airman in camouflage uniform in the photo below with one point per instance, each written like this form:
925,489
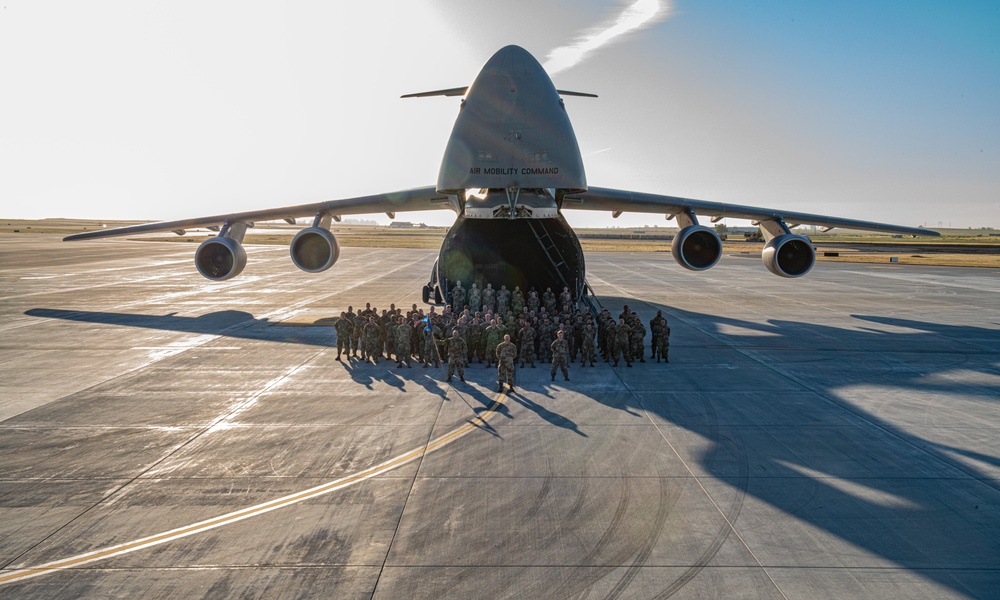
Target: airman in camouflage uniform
370,347
587,346
517,301
560,355
403,333
431,334
638,338
343,327
506,353
662,340
475,299
494,334
526,336
620,344
503,300
489,301
549,300
565,297
458,298
457,350
534,304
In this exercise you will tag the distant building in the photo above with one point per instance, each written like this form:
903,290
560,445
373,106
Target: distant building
401,225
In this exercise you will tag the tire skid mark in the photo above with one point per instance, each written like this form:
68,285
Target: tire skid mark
666,503
260,509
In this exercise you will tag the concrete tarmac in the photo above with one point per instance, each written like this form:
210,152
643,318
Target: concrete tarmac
161,435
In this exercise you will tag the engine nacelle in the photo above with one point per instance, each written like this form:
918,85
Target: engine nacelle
697,247
220,258
789,255
314,249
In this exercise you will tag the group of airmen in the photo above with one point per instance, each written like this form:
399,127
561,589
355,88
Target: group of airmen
498,328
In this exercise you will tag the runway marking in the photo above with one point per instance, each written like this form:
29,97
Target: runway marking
253,511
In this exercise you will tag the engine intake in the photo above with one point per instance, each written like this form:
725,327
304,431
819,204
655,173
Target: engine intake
220,258
789,255
314,249
696,247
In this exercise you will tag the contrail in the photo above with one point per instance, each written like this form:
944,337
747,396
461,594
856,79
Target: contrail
639,14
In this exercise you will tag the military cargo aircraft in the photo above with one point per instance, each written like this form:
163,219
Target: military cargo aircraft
511,167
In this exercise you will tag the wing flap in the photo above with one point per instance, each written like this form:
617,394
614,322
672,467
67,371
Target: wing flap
416,199
611,200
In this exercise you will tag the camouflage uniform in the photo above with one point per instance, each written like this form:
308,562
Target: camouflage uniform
517,302
403,333
663,341
357,326
587,347
343,327
503,301
565,297
475,299
526,336
370,349
560,354
549,300
533,302
489,301
638,341
545,333
477,334
620,343
431,334
493,335
458,298
457,350
506,353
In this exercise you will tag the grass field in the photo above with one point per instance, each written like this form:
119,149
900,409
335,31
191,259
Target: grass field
962,247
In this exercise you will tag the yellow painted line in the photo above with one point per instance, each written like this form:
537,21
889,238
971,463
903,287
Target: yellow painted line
253,511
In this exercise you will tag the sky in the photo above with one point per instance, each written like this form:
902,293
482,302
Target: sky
876,110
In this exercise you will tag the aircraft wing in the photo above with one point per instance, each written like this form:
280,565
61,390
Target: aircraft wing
402,201
618,201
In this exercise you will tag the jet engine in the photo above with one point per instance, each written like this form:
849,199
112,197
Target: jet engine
314,249
220,258
696,247
789,255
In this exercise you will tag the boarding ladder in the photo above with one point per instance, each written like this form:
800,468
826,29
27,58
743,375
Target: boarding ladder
549,247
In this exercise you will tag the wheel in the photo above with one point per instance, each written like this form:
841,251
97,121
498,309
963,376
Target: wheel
426,294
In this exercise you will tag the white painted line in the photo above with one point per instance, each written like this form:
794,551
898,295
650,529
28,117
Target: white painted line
253,511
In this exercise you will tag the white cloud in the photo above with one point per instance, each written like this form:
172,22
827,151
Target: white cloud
639,14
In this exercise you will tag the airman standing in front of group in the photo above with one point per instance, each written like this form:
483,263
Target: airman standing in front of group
653,333
343,327
663,340
560,355
506,353
457,351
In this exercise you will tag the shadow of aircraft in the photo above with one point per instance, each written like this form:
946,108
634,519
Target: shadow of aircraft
228,323
815,450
